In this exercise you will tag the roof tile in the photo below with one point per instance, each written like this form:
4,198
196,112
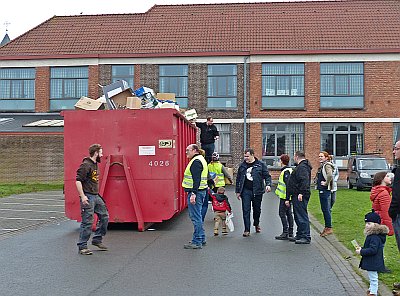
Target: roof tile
219,28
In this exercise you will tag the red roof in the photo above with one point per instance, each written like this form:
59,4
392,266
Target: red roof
218,29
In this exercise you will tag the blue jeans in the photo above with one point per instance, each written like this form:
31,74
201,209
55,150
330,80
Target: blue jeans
333,199
249,199
195,216
209,149
204,207
325,201
396,228
96,205
301,217
373,282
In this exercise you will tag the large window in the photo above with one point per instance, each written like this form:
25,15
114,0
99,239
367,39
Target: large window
342,140
223,144
282,86
281,139
123,72
222,86
67,85
174,79
342,85
17,89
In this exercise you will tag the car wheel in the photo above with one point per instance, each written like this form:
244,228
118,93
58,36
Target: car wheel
349,185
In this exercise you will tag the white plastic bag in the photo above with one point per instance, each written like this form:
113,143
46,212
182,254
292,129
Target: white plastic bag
229,222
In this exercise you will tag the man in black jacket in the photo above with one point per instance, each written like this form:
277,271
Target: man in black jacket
394,209
250,187
298,188
208,135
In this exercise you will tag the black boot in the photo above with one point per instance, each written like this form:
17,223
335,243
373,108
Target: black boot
282,236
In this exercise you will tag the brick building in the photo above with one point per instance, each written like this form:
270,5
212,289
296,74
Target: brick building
311,76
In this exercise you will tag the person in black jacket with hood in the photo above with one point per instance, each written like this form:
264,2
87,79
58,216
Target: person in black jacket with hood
250,187
372,252
298,189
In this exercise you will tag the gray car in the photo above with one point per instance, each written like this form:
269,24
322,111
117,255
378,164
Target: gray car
361,170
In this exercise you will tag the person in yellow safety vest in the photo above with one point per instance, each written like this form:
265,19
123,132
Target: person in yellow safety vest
215,166
285,210
195,184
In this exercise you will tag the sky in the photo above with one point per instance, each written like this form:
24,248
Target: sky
20,16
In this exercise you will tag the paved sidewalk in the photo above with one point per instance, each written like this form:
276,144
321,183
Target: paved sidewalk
258,265
30,210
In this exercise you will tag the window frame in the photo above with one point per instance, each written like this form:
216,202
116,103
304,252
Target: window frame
335,96
281,98
342,160
18,81
221,142
292,130
130,79
69,101
225,96
181,80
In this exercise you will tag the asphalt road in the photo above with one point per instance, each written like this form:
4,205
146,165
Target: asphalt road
45,261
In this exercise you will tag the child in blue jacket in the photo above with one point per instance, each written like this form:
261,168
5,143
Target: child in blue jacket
372,251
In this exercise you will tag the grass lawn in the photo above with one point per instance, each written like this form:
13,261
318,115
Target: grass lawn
9,189
348,224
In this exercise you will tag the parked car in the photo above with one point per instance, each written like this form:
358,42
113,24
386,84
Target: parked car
361,170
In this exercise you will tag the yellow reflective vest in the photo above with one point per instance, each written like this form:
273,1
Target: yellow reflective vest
216,167
187,181
281,188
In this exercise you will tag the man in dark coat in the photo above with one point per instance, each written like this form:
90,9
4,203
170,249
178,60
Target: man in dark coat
208,134
250,187
298,189
394,209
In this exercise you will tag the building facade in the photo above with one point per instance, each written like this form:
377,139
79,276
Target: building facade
309,76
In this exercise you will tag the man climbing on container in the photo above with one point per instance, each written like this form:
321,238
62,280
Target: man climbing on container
195,184
87,183
208,134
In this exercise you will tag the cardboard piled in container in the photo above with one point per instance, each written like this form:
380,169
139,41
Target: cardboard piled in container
86,103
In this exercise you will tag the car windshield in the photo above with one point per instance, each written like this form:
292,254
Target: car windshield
372,164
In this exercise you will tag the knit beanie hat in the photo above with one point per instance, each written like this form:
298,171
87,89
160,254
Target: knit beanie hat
372,217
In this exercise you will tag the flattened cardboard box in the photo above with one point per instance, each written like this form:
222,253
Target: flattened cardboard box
86,103
230,172
166,96
133,103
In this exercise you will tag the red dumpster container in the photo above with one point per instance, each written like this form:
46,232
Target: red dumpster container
142,168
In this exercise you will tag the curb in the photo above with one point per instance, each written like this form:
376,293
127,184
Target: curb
349,257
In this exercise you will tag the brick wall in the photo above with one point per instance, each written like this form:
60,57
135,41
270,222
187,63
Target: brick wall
42,89
94,80
26,158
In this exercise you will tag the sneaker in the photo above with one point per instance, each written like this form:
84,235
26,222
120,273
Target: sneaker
258,229
302,241
204,243
396,286
282,236
215,232
225,232
292,238
85,251
100,245
246,233
192,246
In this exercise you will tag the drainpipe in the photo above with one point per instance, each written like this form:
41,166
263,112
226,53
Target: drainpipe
245,102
